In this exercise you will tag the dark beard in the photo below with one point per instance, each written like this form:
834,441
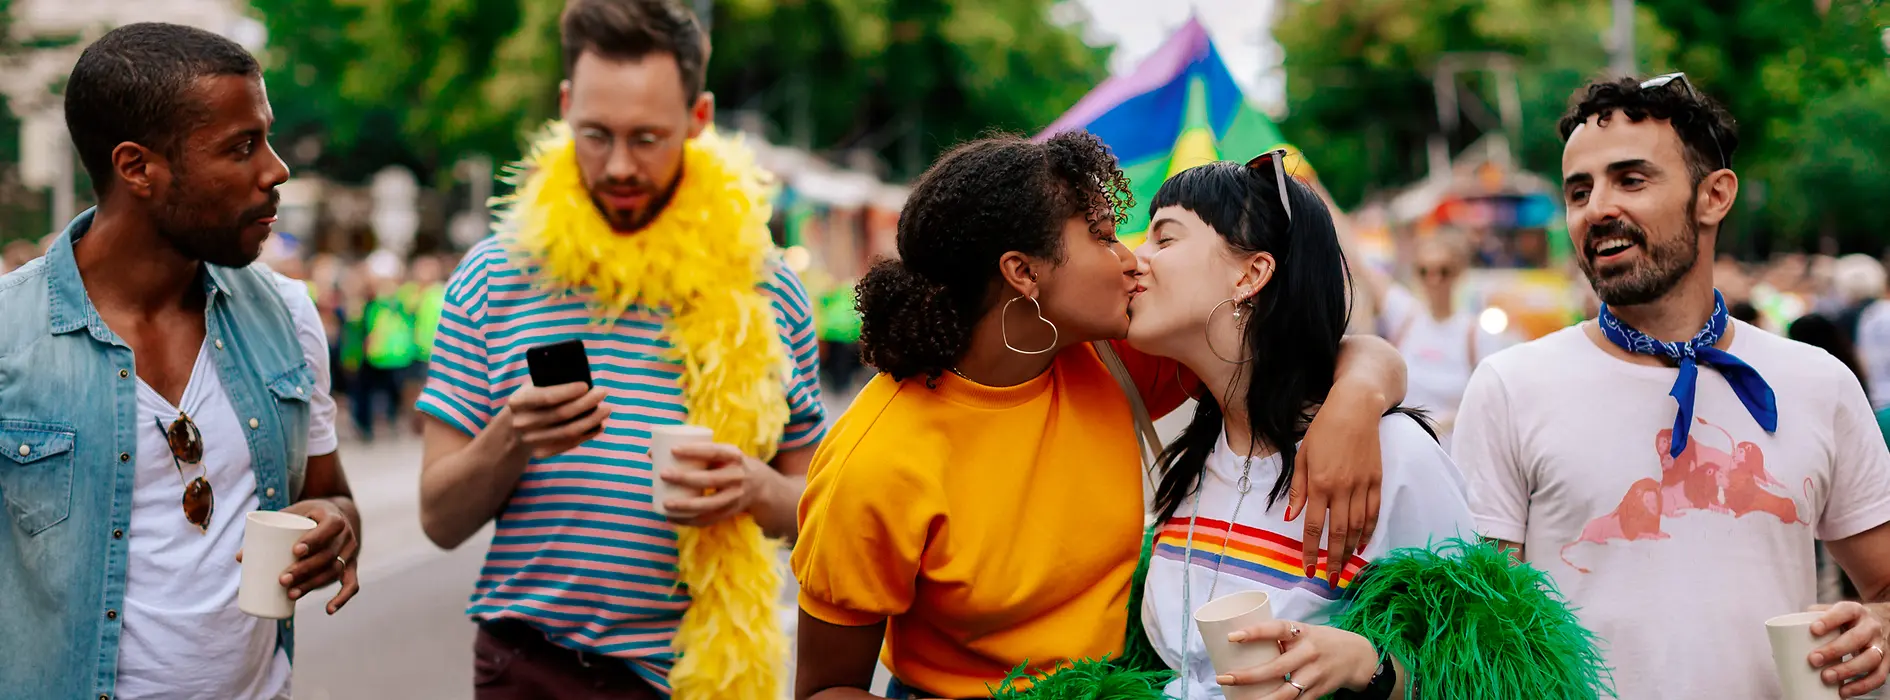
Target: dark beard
189,222
629,222
1666,264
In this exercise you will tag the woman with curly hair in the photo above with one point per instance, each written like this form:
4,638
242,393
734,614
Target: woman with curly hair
980,506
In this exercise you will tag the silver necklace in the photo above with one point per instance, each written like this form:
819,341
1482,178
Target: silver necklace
1187,558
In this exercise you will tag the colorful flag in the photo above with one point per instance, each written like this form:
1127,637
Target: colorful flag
1178,109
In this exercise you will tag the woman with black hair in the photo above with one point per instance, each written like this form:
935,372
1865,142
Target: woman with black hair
1247,288
979,506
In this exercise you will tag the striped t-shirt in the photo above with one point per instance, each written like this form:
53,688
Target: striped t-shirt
578,551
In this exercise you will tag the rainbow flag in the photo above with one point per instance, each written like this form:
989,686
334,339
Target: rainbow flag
1178,109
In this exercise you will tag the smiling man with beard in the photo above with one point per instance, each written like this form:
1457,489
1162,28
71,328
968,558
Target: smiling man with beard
1669,467
155,388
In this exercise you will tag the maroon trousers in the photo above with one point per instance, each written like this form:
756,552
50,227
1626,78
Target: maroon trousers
514,661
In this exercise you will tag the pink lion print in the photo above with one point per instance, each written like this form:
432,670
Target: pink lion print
1702,479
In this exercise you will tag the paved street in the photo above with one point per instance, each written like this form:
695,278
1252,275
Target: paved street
405,636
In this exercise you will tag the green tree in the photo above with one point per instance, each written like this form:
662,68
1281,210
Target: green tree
1834,179
1787,71
1363,106
410,82
1360,88
422,82
906,78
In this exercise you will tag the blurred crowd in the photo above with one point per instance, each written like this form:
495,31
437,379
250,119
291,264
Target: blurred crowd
380,312
1834,303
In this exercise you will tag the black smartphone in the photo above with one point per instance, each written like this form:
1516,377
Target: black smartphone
559,363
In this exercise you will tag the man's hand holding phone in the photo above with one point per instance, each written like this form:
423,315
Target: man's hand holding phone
552,420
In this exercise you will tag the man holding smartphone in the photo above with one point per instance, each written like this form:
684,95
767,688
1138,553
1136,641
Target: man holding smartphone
639,232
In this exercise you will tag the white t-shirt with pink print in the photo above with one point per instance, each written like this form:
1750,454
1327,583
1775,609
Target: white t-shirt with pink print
1674,563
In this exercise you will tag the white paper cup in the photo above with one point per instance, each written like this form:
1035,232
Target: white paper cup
269,539
664,438
1226,615
1791,644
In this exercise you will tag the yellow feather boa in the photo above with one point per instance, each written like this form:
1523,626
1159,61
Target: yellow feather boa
703,259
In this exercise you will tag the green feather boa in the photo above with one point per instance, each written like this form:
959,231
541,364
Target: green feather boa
1469,622
1465,620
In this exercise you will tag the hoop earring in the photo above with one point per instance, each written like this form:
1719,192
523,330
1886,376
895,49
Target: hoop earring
1004,327
1208,334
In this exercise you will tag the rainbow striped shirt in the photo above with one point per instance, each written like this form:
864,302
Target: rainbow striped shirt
578,551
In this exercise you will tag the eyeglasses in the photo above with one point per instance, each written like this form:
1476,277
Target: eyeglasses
187,448
1681,79
1277,159
1427,271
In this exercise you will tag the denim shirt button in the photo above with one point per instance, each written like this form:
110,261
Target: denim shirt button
124,456
26,450
124,374
269,492
254,424
118,534
219,343
111,614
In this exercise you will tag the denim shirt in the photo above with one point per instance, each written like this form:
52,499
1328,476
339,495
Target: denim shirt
68,444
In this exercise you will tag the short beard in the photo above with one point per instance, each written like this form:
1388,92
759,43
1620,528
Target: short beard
186,220
630,222
1667,263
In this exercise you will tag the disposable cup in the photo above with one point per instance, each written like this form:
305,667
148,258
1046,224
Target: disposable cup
663,439
269,539
1792,644
1225,615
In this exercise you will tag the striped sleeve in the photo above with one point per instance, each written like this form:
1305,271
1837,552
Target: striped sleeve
794,319
459,380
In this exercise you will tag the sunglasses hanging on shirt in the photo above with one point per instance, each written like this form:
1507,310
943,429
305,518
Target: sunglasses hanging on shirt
186,445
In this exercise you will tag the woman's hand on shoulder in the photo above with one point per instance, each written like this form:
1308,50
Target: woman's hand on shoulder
1337,475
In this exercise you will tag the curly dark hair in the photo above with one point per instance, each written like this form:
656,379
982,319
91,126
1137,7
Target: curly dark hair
981,200
1709,133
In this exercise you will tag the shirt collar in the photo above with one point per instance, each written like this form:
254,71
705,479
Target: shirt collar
70,309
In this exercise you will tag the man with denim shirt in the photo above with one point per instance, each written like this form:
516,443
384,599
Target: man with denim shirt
155,387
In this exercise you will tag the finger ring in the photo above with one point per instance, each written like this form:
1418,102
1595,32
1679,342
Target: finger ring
1296,686
344,562
1879,651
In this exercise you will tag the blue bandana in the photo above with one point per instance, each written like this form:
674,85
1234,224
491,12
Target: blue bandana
1746,382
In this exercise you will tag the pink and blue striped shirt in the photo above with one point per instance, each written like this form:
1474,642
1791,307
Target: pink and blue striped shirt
578,551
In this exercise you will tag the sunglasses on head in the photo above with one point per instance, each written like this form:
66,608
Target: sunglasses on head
186,445
1681,80
1276,161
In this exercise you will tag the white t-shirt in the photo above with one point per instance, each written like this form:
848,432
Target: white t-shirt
1423,501
1873,350
183,636
1674,564
1437,354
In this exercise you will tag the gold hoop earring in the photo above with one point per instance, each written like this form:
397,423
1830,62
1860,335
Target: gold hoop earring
1004,327
1207,331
